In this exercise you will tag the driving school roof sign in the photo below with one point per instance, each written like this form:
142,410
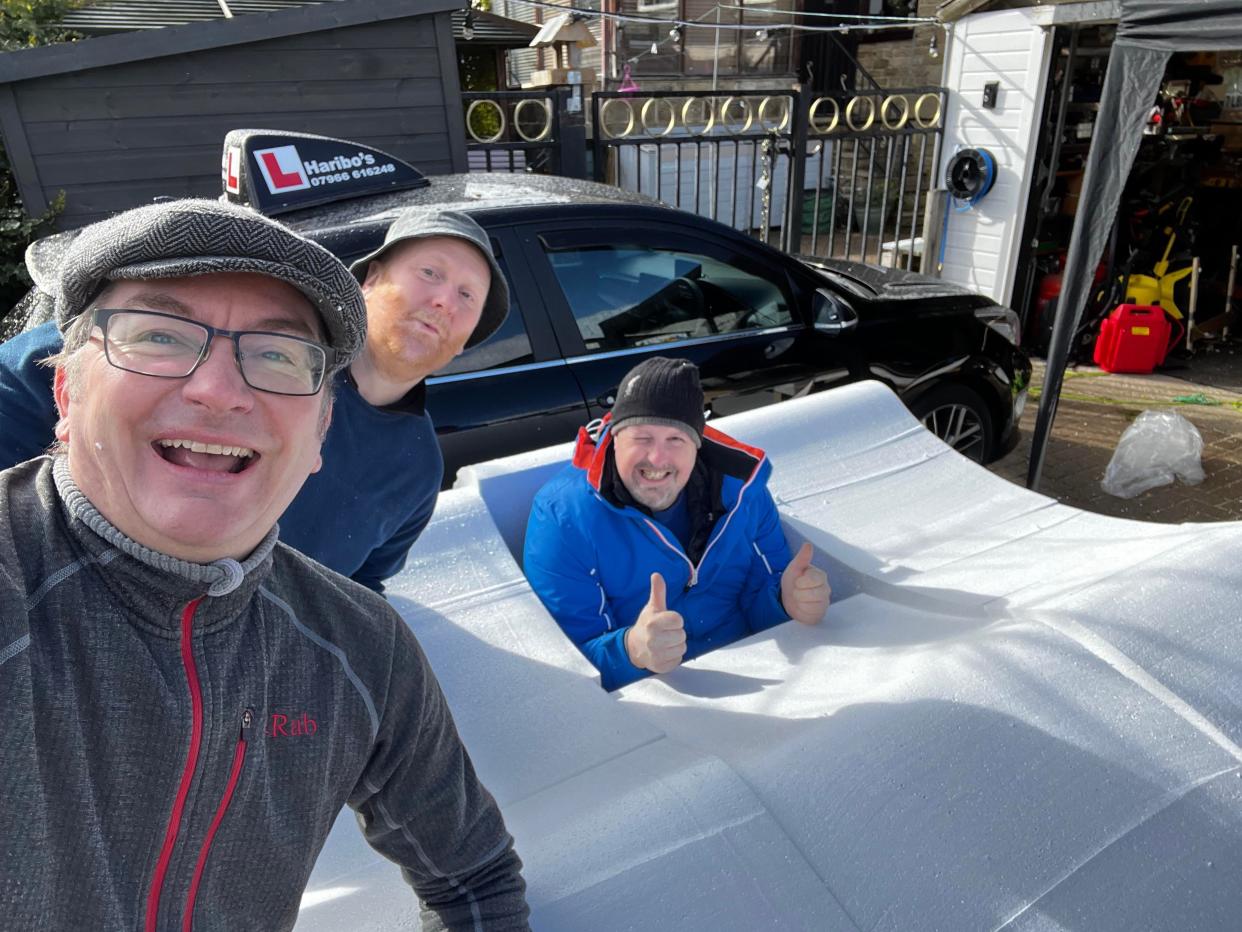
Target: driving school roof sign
279,172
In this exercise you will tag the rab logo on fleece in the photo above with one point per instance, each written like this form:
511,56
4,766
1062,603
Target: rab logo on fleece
286,726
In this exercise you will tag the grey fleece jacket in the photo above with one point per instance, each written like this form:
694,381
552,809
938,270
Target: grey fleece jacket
176,740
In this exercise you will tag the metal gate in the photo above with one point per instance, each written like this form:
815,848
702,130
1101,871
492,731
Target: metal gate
840,175
515,131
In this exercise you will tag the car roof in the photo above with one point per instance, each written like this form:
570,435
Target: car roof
487,196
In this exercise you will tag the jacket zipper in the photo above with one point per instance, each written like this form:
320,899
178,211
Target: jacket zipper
239,757
694,570
719,532
187,774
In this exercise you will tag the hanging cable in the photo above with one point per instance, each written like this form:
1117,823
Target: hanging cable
858,22
968,178
860,18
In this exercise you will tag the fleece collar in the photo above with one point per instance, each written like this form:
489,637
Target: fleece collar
156,584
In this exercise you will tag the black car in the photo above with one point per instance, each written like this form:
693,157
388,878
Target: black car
601,278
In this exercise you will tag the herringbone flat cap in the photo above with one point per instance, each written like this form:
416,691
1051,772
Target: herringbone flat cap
199,237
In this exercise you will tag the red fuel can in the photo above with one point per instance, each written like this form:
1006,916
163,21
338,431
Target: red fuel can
1133,338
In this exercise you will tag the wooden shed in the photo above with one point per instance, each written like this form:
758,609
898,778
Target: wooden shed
116,120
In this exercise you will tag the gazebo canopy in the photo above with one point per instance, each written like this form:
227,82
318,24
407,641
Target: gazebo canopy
1149,32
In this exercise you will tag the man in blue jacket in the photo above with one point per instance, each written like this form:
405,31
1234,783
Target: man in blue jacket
660,541
432,289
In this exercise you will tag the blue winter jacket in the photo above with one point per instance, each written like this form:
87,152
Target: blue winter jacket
358,515
591,549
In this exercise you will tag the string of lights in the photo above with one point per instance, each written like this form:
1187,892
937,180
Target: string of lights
904,21
858,22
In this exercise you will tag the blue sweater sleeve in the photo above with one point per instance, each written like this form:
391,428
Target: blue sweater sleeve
558,561
27,407
761,597
388,558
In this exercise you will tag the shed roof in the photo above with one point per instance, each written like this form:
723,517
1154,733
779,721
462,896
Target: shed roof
130,15
950,10
490,29
277,19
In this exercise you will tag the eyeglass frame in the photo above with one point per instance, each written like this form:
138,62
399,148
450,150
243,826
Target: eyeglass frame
101,315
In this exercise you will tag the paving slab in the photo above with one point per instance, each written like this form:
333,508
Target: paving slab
1095,409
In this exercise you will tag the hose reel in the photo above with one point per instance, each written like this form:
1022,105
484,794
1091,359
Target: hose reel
970,175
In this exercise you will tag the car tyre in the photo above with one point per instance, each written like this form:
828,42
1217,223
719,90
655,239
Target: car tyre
958,416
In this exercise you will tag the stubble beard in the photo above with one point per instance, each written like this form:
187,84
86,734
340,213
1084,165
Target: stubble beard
401,353
653,499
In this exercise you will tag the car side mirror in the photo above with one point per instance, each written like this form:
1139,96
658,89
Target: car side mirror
830,314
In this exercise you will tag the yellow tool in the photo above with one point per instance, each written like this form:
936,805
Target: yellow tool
1157,288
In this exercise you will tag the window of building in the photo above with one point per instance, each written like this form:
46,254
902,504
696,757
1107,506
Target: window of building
701,50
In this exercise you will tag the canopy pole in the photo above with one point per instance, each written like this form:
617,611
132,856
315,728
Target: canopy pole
1130,87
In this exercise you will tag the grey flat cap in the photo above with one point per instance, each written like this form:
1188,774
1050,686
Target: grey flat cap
199,237
423,222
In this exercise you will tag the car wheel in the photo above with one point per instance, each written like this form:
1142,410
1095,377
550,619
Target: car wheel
959,417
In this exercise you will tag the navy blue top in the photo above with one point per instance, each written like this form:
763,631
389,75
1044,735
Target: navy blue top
358,515
676,517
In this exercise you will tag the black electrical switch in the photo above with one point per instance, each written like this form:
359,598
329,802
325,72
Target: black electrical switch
989,94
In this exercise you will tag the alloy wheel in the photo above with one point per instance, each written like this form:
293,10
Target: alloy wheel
960,427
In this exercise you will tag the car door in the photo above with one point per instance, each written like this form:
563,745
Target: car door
511,393
620,291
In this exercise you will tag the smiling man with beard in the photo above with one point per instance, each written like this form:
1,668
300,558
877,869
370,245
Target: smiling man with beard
432,289
660,541
189,703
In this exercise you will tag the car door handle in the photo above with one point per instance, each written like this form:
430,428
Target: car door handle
606,401
777,347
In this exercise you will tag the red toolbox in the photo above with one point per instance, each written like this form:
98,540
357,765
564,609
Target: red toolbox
1133,338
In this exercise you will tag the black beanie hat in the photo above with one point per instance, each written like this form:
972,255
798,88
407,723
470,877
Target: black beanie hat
661,391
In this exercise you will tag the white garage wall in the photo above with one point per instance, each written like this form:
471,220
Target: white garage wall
982,243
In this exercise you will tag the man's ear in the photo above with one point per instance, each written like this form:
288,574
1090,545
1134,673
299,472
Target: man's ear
60,391
325,421
374,269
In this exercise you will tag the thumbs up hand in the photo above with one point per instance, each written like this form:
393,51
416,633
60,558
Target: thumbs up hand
657,641
804,588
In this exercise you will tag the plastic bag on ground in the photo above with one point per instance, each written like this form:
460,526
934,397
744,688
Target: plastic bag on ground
1157,448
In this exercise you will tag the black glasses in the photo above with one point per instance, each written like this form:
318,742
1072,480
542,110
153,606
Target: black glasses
171,347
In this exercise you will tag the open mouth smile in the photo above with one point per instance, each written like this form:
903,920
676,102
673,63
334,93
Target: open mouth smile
212,457
648,474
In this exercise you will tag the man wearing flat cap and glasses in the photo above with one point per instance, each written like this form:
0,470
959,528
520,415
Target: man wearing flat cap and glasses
432,289
188,702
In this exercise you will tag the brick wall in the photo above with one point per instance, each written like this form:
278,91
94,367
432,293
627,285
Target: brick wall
905,62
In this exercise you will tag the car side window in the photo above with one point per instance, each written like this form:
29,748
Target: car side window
508,346
628,296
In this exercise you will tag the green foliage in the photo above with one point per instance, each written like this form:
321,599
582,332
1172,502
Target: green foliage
484,121
17,229
476,69
24,24
27,23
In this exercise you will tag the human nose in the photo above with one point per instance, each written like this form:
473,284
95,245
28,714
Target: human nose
658,454
217,383
442,293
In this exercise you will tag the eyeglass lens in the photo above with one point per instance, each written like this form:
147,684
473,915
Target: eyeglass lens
161,345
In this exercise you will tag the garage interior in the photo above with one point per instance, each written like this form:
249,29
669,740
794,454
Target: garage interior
1175,243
